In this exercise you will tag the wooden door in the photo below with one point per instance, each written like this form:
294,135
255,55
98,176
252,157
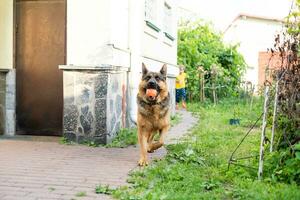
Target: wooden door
40,48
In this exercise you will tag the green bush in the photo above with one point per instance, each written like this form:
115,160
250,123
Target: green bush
125,138
283,165
199,45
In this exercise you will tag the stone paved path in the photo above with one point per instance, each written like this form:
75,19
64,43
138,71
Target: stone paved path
48,170
176,132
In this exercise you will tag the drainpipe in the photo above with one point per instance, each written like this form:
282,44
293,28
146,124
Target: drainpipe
136,10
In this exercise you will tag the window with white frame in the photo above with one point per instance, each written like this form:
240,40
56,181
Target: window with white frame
151,14
168,22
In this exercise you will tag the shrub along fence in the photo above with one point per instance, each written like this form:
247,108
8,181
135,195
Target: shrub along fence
213,69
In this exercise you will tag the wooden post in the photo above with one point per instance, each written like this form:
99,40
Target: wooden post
252,93
274,115
214,93
201,82
213,79
248,94
200,87
200,71
203,87
263,134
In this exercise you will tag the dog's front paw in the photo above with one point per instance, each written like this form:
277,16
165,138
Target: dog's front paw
150,150
143,162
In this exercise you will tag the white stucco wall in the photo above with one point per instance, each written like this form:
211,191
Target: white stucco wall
253,35
119,21
156,45
6,34
88,31
98,32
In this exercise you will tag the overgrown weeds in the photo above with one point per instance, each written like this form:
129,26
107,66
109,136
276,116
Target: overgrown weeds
125,138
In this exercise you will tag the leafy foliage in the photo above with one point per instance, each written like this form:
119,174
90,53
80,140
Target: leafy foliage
125,138
293,19
283,165
64,140
199,45
100,189
286,45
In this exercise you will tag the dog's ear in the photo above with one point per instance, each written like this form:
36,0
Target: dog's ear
163,70
144,69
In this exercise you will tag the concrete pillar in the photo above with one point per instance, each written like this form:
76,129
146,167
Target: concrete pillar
93,103
95,76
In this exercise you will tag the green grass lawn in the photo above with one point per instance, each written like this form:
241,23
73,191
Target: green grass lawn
197,168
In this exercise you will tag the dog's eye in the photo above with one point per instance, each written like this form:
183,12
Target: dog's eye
157,78
147,78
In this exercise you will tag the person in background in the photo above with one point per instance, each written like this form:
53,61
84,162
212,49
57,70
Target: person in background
180,88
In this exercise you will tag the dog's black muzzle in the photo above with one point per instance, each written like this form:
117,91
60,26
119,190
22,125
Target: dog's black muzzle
152,84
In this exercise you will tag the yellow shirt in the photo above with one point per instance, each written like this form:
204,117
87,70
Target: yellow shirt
180,81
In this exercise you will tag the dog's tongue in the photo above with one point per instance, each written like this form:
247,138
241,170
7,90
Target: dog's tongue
151,93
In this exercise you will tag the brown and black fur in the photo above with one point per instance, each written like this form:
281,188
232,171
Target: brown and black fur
153,114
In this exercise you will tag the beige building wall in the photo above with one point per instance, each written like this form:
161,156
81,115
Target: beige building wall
253,35
6,34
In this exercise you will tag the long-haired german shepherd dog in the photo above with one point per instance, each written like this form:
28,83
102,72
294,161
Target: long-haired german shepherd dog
153,101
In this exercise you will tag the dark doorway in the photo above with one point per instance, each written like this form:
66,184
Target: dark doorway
40,48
